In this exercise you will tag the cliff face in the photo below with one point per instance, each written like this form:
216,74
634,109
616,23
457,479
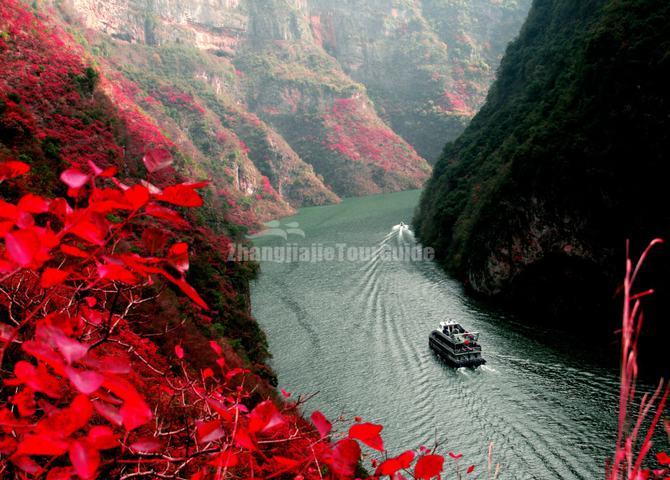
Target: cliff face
427,65
290,66
534,202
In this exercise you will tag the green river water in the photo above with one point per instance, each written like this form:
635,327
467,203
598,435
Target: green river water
356,331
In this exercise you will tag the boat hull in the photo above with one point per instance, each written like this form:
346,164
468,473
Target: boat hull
471,360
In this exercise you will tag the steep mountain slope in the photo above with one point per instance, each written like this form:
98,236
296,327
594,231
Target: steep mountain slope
257,61
427,65
300,90
289,65
184,65
534,202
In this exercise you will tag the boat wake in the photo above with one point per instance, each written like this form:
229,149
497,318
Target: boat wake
335,325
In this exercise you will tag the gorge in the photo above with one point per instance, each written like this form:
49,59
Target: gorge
145,143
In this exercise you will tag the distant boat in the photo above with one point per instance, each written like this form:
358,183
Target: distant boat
456,346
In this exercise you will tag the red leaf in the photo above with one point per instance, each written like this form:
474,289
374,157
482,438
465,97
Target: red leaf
5,227
85,459
663,458
73,251
37,378
470,469
22,246
216,347
225,459
166,214
67,420
26,464
243,440
91,228
86,382
33,204
25,402
455,456
99,172
71,349
134,412
13,169
8,210
368,433
146,445
52,277
429,466
345,457
265,417
41,444
102,438
178,256
285,393
392,465
321,423
74,178
183,195
112,415
116,273
157,159
209,431
179,352
108,172
137,196
221,409
190,292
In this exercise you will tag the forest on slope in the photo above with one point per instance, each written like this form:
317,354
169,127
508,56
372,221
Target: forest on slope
533,204
326,99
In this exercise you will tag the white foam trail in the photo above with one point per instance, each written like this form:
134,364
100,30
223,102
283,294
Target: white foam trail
400,228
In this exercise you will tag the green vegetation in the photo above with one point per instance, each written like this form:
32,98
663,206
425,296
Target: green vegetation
564,161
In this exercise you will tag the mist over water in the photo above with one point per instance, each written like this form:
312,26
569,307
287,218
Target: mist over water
357,333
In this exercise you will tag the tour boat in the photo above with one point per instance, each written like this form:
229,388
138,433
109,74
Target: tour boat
456,346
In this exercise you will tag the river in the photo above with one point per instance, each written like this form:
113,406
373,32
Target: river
356,331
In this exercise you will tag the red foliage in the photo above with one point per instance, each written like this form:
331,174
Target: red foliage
44,107
456,103
368,433
633,443
175,97
353,131
89,395
429,466
76,407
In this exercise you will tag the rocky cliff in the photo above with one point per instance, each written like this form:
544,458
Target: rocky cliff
326,98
